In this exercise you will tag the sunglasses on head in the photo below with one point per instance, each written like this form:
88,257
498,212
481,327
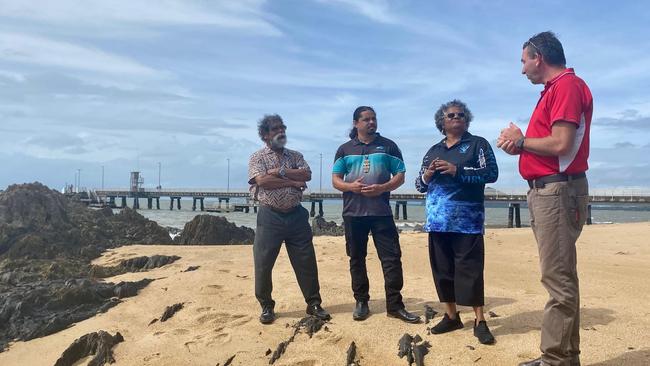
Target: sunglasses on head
454,115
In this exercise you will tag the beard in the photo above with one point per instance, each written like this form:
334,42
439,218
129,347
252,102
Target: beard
279,141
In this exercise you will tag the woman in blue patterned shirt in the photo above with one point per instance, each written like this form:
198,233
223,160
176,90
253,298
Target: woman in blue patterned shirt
453,175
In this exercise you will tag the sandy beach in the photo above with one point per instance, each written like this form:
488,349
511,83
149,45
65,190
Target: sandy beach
219,318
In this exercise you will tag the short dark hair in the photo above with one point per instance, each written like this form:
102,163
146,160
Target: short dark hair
263,126
355,117
440,114
547,45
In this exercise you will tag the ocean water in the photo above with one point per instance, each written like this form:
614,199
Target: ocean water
496,213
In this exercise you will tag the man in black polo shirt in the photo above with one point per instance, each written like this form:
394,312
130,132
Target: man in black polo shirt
366,169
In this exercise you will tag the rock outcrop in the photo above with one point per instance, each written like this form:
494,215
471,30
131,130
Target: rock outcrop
214,230
320,226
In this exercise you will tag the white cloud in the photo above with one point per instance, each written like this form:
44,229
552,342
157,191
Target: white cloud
377,10
240,14
24,48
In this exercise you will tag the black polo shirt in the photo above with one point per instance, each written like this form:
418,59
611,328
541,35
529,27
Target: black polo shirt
376,162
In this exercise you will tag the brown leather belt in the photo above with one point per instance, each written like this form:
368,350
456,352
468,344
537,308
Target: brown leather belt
554,178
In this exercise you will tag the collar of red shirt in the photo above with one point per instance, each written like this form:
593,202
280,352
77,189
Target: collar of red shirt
550,83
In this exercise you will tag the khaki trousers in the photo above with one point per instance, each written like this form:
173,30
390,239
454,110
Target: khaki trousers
558,212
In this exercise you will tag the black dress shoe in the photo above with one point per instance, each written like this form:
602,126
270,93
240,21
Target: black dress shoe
404,315
447,324
318,311
267,316
361,311
482,332
535,362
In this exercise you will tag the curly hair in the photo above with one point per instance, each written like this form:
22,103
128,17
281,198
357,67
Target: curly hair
547,45
440,114
264,124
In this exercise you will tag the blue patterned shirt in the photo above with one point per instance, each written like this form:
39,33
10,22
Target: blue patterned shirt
455,204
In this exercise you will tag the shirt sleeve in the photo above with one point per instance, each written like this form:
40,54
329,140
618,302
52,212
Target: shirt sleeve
396,162
255,167
566,104
339,163
419,182
485,169
300,162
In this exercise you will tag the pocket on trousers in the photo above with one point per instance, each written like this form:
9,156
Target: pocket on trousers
578,211
551,189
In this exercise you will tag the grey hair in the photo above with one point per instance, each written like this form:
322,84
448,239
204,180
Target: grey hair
440,114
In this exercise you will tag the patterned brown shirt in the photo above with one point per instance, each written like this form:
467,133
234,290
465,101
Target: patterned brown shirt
266,159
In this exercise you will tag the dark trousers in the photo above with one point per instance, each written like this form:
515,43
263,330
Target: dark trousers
293,229
457,262
386,238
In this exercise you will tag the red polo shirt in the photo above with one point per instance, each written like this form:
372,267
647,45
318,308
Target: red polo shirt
565,98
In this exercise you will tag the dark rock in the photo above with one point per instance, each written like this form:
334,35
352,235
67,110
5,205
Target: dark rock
214,230
351,355
404,345
279,351
99,344
429,313
419,228
319,226
419,351
36,309
268,352
170,311
229,361
137,264
493,314
191,268
47,241
153,321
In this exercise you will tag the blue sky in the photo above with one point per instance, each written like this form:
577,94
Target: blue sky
127,84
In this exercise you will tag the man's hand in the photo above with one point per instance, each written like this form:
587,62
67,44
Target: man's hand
356,186
508,137
300,185
275,172
372,190
445,167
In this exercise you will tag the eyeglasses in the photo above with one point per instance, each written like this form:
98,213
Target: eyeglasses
534,46
452,115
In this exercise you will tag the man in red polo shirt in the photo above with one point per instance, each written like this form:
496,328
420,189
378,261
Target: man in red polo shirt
553,159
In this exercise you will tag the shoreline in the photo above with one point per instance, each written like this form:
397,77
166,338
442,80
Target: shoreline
220,314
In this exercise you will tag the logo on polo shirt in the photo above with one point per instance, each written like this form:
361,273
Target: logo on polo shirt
464,148
380,148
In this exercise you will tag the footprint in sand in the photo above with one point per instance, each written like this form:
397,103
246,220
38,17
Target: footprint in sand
151,357
159,333
211,289
308,363
224,270
180,331
203,309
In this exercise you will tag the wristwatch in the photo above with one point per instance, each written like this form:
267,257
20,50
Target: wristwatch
519,144
282,172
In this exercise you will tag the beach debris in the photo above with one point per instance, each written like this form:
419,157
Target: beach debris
98,343
630,348
170,311
268,352
471,348
279,351
153,321
214,230
493,314
429,313
477,360
419,351
413,348
622,253
229,361
309,324
191,268
352,355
